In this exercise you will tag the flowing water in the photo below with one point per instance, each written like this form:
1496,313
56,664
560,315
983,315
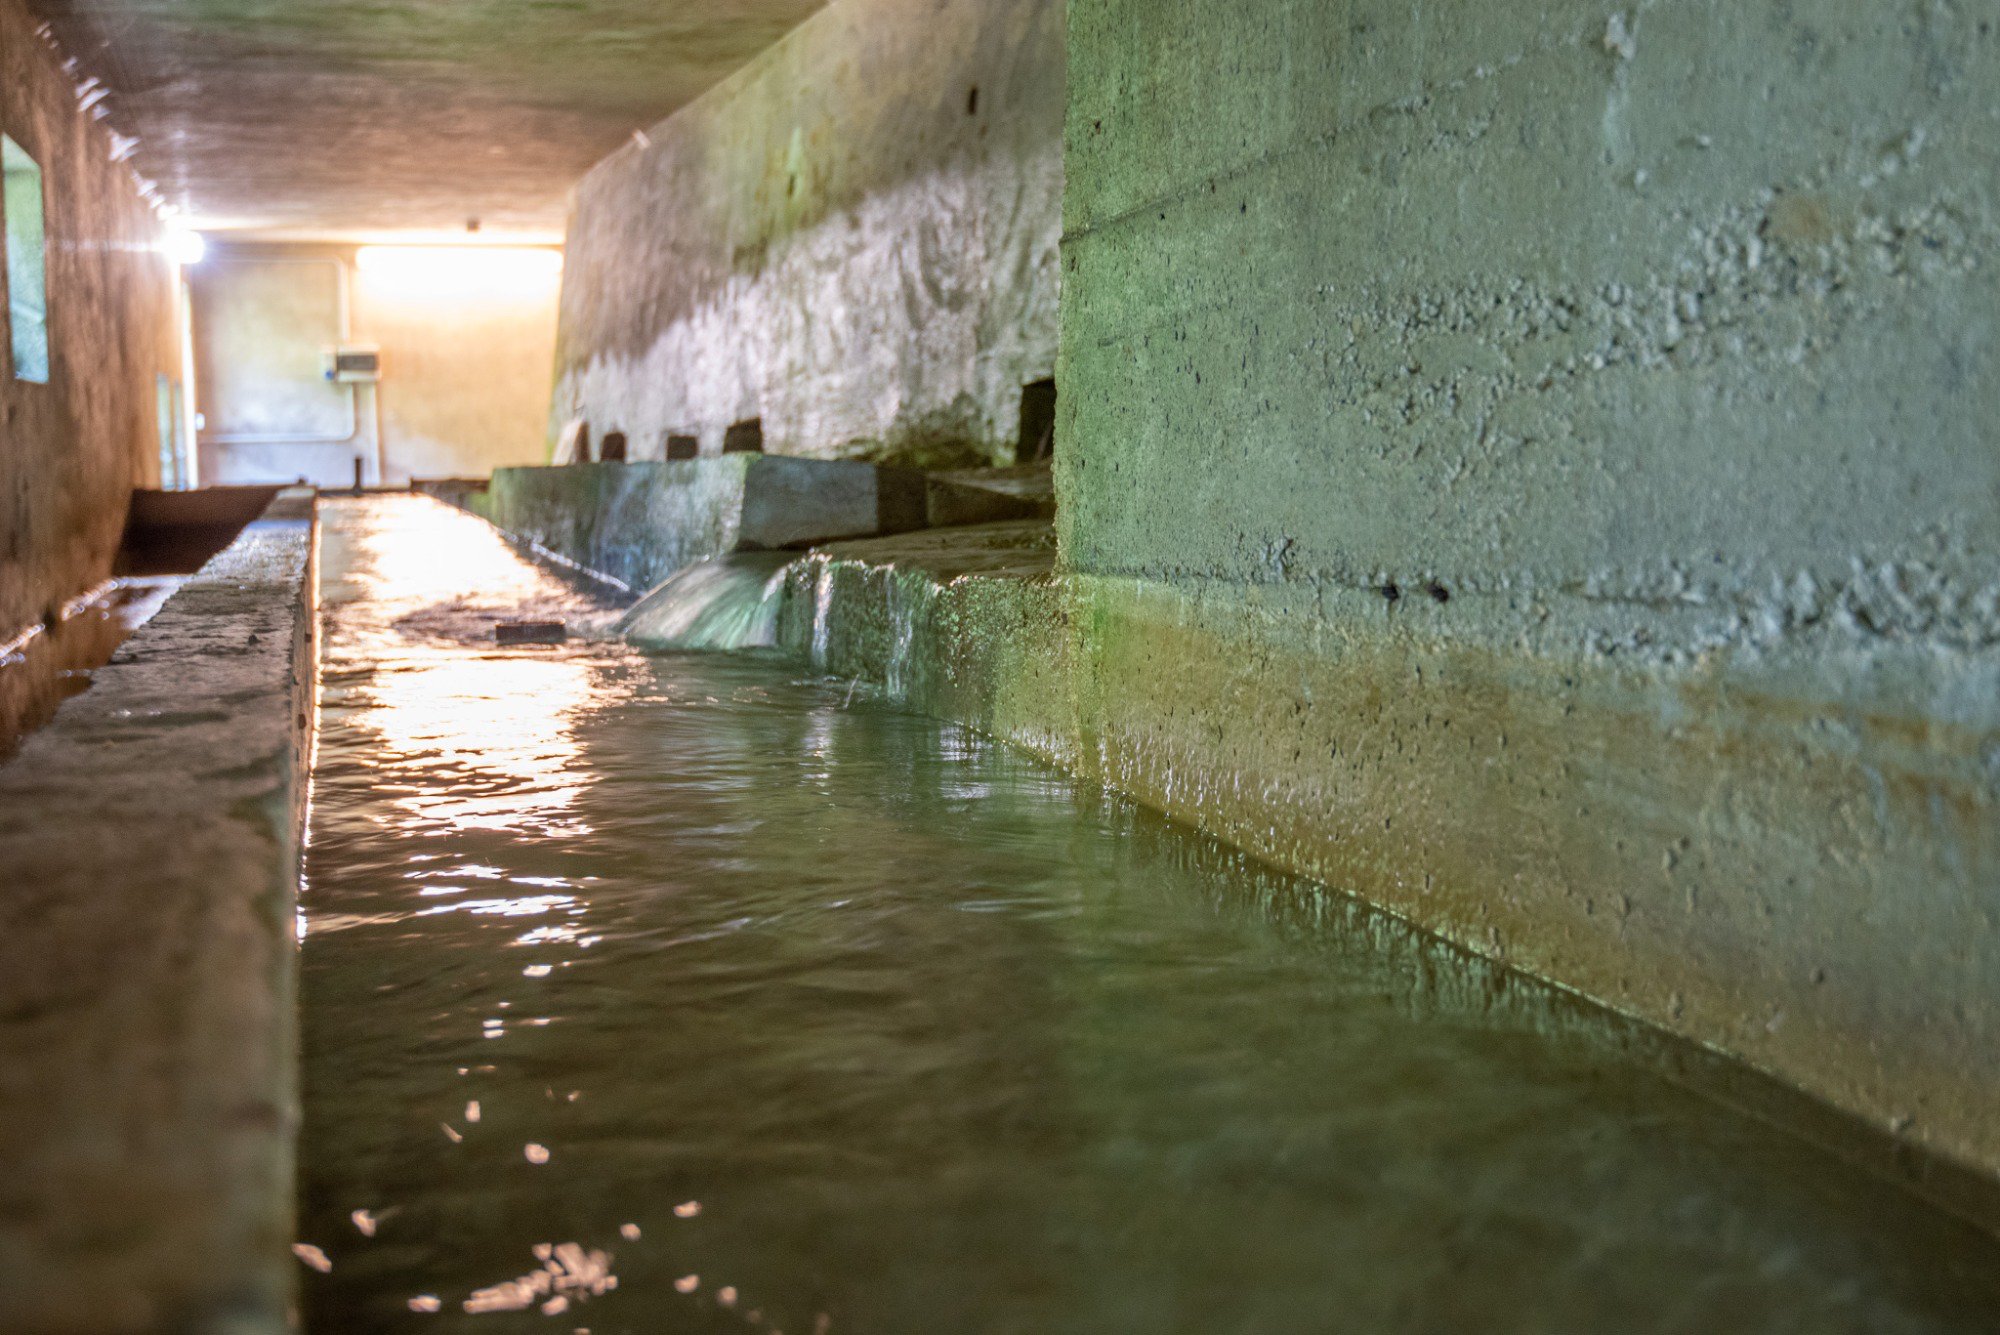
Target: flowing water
684,994
726,602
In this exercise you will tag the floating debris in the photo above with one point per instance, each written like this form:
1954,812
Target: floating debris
629,1232
365,1222
530,632
687,1209
537,1154
687,1283
425,1302
313,1257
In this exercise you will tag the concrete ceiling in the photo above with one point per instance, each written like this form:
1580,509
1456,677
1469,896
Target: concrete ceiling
352,119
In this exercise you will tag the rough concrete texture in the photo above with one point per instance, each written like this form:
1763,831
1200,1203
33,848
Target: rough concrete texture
854,239
149,854
72,450
636,524
1535,466
324,119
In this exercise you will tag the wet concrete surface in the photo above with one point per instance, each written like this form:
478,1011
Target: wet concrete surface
149,843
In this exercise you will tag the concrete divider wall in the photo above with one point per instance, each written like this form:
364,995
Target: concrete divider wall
1535,466
636,524
149,867
853,239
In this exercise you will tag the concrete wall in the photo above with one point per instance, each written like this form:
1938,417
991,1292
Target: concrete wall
72,450
466,366
148,964
853,239
1537,466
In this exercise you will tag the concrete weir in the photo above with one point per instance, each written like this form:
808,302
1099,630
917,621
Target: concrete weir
635,524
151,836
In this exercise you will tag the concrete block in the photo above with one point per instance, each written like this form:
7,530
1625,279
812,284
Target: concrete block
149,868
633,525
989,496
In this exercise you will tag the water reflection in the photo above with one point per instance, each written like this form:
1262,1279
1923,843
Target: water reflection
839,1020
48,663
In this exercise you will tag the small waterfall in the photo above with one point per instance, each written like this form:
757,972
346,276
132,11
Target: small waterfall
725,602
822,634
909,601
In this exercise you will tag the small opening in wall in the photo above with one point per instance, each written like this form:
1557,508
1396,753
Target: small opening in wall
573,445
972,101
683,447
744,437
611,449
1038,422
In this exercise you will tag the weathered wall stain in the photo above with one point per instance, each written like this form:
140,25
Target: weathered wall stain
854,239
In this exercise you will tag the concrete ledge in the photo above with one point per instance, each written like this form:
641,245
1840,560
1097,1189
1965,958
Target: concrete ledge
989,496
1802,885
636,524
149,864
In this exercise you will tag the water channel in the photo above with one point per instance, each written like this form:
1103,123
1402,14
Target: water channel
687,993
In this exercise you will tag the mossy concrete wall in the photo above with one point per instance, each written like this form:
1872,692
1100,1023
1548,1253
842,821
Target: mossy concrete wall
853,239
1536,466
72,450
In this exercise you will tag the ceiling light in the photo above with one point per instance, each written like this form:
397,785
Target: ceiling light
185,248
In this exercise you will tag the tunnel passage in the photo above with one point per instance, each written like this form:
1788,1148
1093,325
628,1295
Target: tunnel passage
683,447
744,437
1037,438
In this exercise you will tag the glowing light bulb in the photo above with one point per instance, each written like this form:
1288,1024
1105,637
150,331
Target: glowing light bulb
186,248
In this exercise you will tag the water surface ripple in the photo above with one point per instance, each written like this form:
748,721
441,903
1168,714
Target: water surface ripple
680,994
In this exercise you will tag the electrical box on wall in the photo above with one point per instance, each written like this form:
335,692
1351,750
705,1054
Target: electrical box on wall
354,364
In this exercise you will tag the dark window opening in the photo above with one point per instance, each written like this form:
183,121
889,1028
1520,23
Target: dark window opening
1038,422
611,450
972,101
744,437
683,447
